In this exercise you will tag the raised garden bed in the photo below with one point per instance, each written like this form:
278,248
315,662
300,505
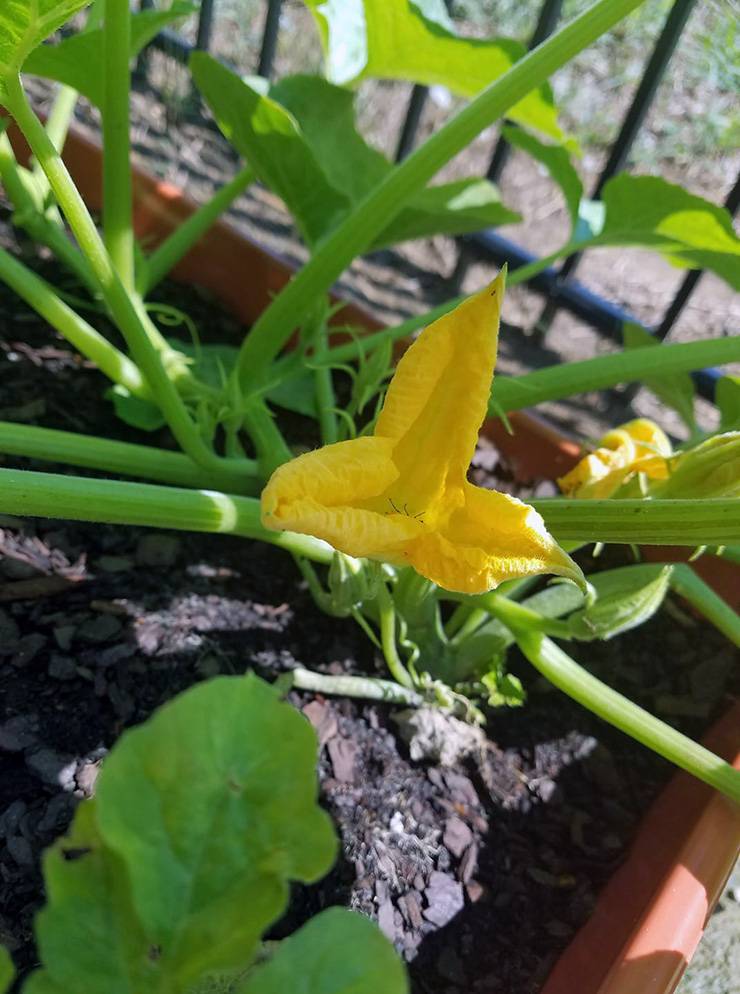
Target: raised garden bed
481,872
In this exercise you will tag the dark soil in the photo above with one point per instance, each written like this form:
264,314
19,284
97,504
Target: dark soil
480,873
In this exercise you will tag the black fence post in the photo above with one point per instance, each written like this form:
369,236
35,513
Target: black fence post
269,38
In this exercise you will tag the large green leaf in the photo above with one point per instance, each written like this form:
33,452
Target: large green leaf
6,970
269,137
415,42
211,806
675,390
302,141
24,24
690,231
337,952
78,61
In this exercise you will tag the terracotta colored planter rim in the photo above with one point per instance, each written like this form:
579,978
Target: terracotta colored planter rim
650,917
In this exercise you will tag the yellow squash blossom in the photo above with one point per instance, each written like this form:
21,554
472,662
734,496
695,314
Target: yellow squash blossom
402,495
636,447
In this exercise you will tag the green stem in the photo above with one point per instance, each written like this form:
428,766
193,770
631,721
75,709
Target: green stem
117,187
513,393
524,616
167,255
51,495
701,596
121,305
351,237
326,401
269,443
27,214
388,638
365,687
89,342
562,671
567,379
711,521
118,457
59,120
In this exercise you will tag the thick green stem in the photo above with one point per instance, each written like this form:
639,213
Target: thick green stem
701,596
364,687
525,617
562,671
89,342
49,495
567,379
325,398
119,457
646,522
117,189
356,233
122,306
164,258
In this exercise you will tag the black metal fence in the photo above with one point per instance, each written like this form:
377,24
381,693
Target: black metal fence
558,286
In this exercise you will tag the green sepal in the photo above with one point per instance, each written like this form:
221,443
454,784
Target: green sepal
626,597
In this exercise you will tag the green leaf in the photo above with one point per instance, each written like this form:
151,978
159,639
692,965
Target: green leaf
297,394
415,42
556,161
78,61
504,690
688,230
727,398
89,936
449,209
269,138
676,390
626,597
210,363
24,24
202,816
135,411
337,952
6,970
302,141
211,806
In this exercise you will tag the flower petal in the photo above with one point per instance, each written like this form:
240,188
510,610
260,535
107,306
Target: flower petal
439,395
493,537
639,446
319,494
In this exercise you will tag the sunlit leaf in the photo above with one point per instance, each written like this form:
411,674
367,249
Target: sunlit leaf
79,61
626,597
688,230
449,209
269,138
337,952
24,24
302,141
675,390
403,40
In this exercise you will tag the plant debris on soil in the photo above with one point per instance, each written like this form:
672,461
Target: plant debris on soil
480,871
